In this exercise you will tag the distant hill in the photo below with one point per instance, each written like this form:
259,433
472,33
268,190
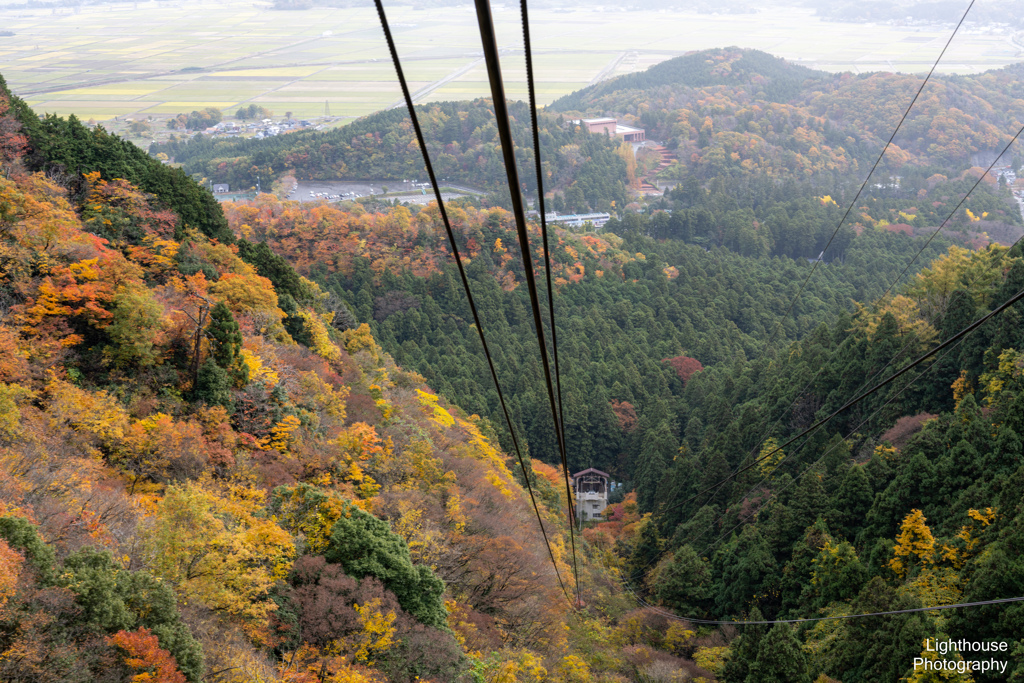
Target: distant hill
778,79
737,114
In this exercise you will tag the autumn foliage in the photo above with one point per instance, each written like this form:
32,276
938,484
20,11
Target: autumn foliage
684,366
332,239
205,428
143,655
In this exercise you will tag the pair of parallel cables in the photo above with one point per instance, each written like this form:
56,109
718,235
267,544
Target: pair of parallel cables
502,122
951,342
490,48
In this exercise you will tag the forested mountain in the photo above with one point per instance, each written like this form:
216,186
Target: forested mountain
261,444
733,113
210,472
462,139
769,76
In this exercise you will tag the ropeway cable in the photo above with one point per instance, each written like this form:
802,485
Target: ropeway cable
501,120
465,284
911,610
540,204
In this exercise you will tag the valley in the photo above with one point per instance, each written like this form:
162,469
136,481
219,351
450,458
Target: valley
252,435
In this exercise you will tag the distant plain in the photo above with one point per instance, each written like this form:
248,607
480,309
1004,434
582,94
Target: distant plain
160,59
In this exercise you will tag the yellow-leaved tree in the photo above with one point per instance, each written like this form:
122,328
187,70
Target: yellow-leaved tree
772,455
913,328
217,548
11,397
983,269
571,669
377,632
915,546
1007,374
92,414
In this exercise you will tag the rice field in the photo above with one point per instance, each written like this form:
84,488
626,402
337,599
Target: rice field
158,59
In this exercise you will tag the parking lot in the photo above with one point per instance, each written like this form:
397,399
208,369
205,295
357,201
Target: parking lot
341,190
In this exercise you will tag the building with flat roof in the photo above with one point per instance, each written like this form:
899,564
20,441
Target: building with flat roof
613,128
577,220
605,125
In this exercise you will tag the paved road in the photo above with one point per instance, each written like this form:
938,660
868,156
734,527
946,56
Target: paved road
424,199
423,92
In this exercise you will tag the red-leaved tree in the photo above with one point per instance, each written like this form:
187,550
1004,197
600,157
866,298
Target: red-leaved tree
13,143
684,366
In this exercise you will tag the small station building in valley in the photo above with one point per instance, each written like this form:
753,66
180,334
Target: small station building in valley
591,487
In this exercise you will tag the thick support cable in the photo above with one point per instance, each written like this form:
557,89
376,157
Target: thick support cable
540,205
465,282
490,47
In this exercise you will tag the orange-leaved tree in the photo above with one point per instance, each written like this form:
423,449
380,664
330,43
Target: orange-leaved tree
141,653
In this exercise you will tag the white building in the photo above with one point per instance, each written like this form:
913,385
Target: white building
577,220
613,128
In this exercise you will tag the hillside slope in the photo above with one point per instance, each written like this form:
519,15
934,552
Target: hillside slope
625,307
911,498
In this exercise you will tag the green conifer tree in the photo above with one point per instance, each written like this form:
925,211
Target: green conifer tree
743,650
224,335
780,659
686,585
